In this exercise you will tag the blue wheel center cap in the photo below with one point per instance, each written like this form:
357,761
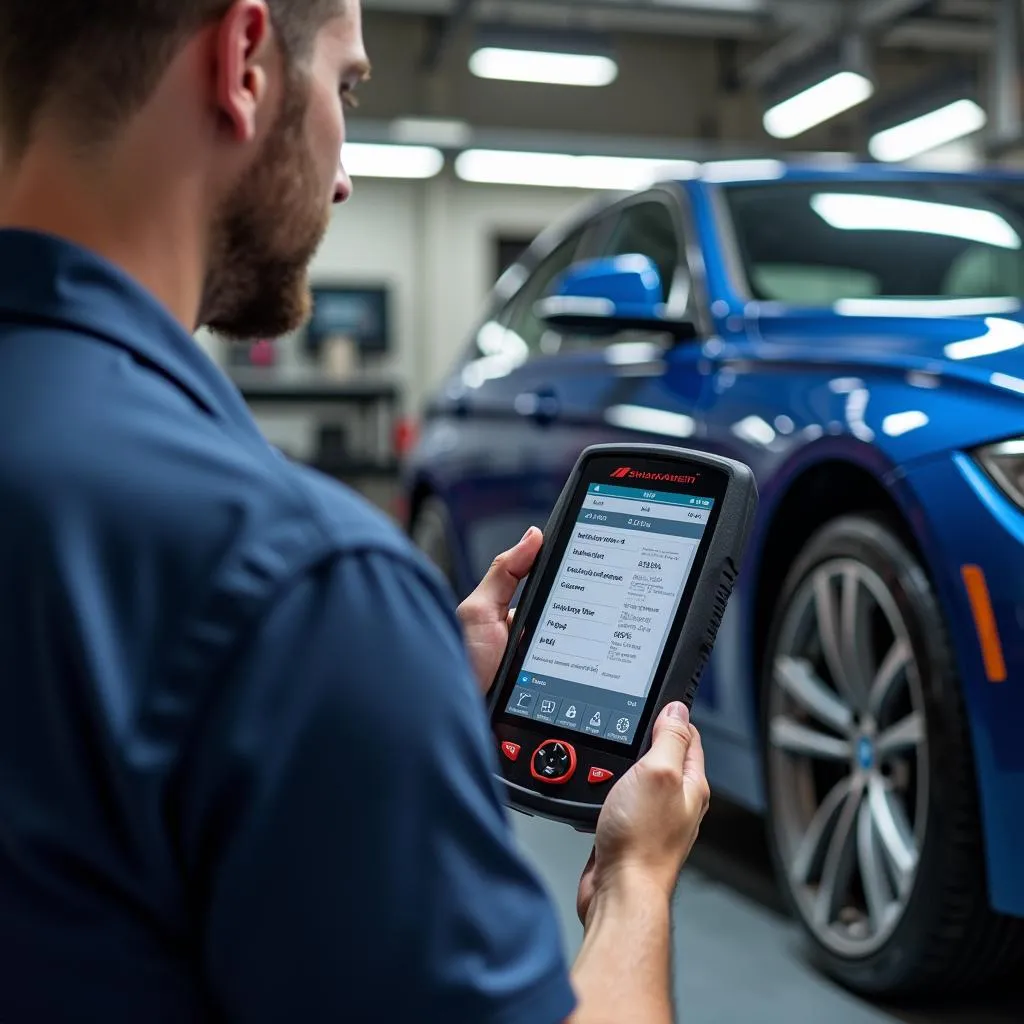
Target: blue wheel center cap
865,753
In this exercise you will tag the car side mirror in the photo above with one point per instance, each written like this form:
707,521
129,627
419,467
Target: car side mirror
611,294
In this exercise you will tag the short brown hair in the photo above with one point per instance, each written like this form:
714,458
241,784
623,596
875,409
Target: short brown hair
97,61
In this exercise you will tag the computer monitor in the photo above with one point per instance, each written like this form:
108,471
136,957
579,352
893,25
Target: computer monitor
358,313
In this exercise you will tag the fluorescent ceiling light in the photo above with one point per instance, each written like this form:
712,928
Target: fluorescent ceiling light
921,134
561,170
819,103
377,160
514,65
431,131
853,212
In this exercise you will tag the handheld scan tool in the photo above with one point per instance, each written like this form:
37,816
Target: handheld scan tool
617,619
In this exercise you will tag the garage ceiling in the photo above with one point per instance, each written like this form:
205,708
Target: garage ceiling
927,24
693,74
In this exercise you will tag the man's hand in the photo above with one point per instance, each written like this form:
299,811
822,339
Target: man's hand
485,614
650,820
646,830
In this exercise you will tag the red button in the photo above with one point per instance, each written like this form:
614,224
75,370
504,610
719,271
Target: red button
511,750
598,775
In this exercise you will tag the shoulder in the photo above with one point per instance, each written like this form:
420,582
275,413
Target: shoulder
147,466
347,524
203,525
277,532
346,519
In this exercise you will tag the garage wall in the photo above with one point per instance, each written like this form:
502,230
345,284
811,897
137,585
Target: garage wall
433,243
375,239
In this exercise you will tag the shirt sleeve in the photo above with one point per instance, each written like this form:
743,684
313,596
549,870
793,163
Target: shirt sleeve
352,856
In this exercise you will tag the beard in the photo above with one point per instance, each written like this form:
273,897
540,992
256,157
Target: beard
266,235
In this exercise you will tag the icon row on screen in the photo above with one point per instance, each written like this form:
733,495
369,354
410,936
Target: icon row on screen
591,719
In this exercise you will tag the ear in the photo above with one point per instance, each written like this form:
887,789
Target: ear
242,45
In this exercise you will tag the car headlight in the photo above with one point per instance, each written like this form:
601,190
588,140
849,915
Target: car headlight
1004,463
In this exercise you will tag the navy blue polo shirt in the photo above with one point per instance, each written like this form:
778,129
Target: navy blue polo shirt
245,773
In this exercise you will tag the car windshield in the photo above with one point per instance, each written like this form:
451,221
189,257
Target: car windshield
823,243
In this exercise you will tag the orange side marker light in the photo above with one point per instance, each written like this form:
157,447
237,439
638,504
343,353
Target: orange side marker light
985,623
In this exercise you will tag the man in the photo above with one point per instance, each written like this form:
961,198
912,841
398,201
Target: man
245,772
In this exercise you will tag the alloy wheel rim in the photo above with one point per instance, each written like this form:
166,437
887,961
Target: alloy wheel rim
848,758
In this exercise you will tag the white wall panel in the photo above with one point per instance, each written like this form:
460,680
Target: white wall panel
433,242
375,239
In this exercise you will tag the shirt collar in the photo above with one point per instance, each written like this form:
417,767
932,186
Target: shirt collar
45,279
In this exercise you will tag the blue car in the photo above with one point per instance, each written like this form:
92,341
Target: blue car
856,335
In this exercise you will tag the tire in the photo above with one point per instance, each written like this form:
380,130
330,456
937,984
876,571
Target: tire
901,908
431,532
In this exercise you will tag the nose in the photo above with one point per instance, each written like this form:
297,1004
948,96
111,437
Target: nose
342,184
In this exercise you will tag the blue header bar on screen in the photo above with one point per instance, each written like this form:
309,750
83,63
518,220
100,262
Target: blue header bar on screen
658,497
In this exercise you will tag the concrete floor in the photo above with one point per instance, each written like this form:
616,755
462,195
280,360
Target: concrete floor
730,925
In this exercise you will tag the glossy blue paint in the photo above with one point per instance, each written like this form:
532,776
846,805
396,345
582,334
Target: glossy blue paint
624,287
890,404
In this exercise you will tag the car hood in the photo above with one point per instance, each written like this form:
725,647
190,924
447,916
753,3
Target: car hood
985,350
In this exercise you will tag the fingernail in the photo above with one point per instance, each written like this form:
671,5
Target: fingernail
527,534
680,711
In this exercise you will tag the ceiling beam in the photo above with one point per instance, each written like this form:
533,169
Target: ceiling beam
871,14
1005,127
443,30
940,34
834,19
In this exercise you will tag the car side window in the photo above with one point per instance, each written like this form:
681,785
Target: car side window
521,319
647,227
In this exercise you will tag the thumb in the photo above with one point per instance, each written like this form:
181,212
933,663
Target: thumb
672,736
498,587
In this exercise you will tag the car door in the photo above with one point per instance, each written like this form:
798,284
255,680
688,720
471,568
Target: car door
654,390
566,390
500,400
636,385
643,385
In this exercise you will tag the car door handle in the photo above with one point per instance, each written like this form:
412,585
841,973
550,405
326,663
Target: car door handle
541,406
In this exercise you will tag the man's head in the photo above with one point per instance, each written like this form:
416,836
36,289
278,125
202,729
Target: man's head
240,99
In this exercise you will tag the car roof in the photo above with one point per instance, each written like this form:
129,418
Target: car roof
769,171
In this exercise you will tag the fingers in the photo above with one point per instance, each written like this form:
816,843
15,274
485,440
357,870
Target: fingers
693,766
496,590
672,737
678,753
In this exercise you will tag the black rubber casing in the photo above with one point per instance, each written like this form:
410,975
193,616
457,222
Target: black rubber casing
577,802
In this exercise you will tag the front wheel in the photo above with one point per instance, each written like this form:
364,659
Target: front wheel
431,532
873,809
